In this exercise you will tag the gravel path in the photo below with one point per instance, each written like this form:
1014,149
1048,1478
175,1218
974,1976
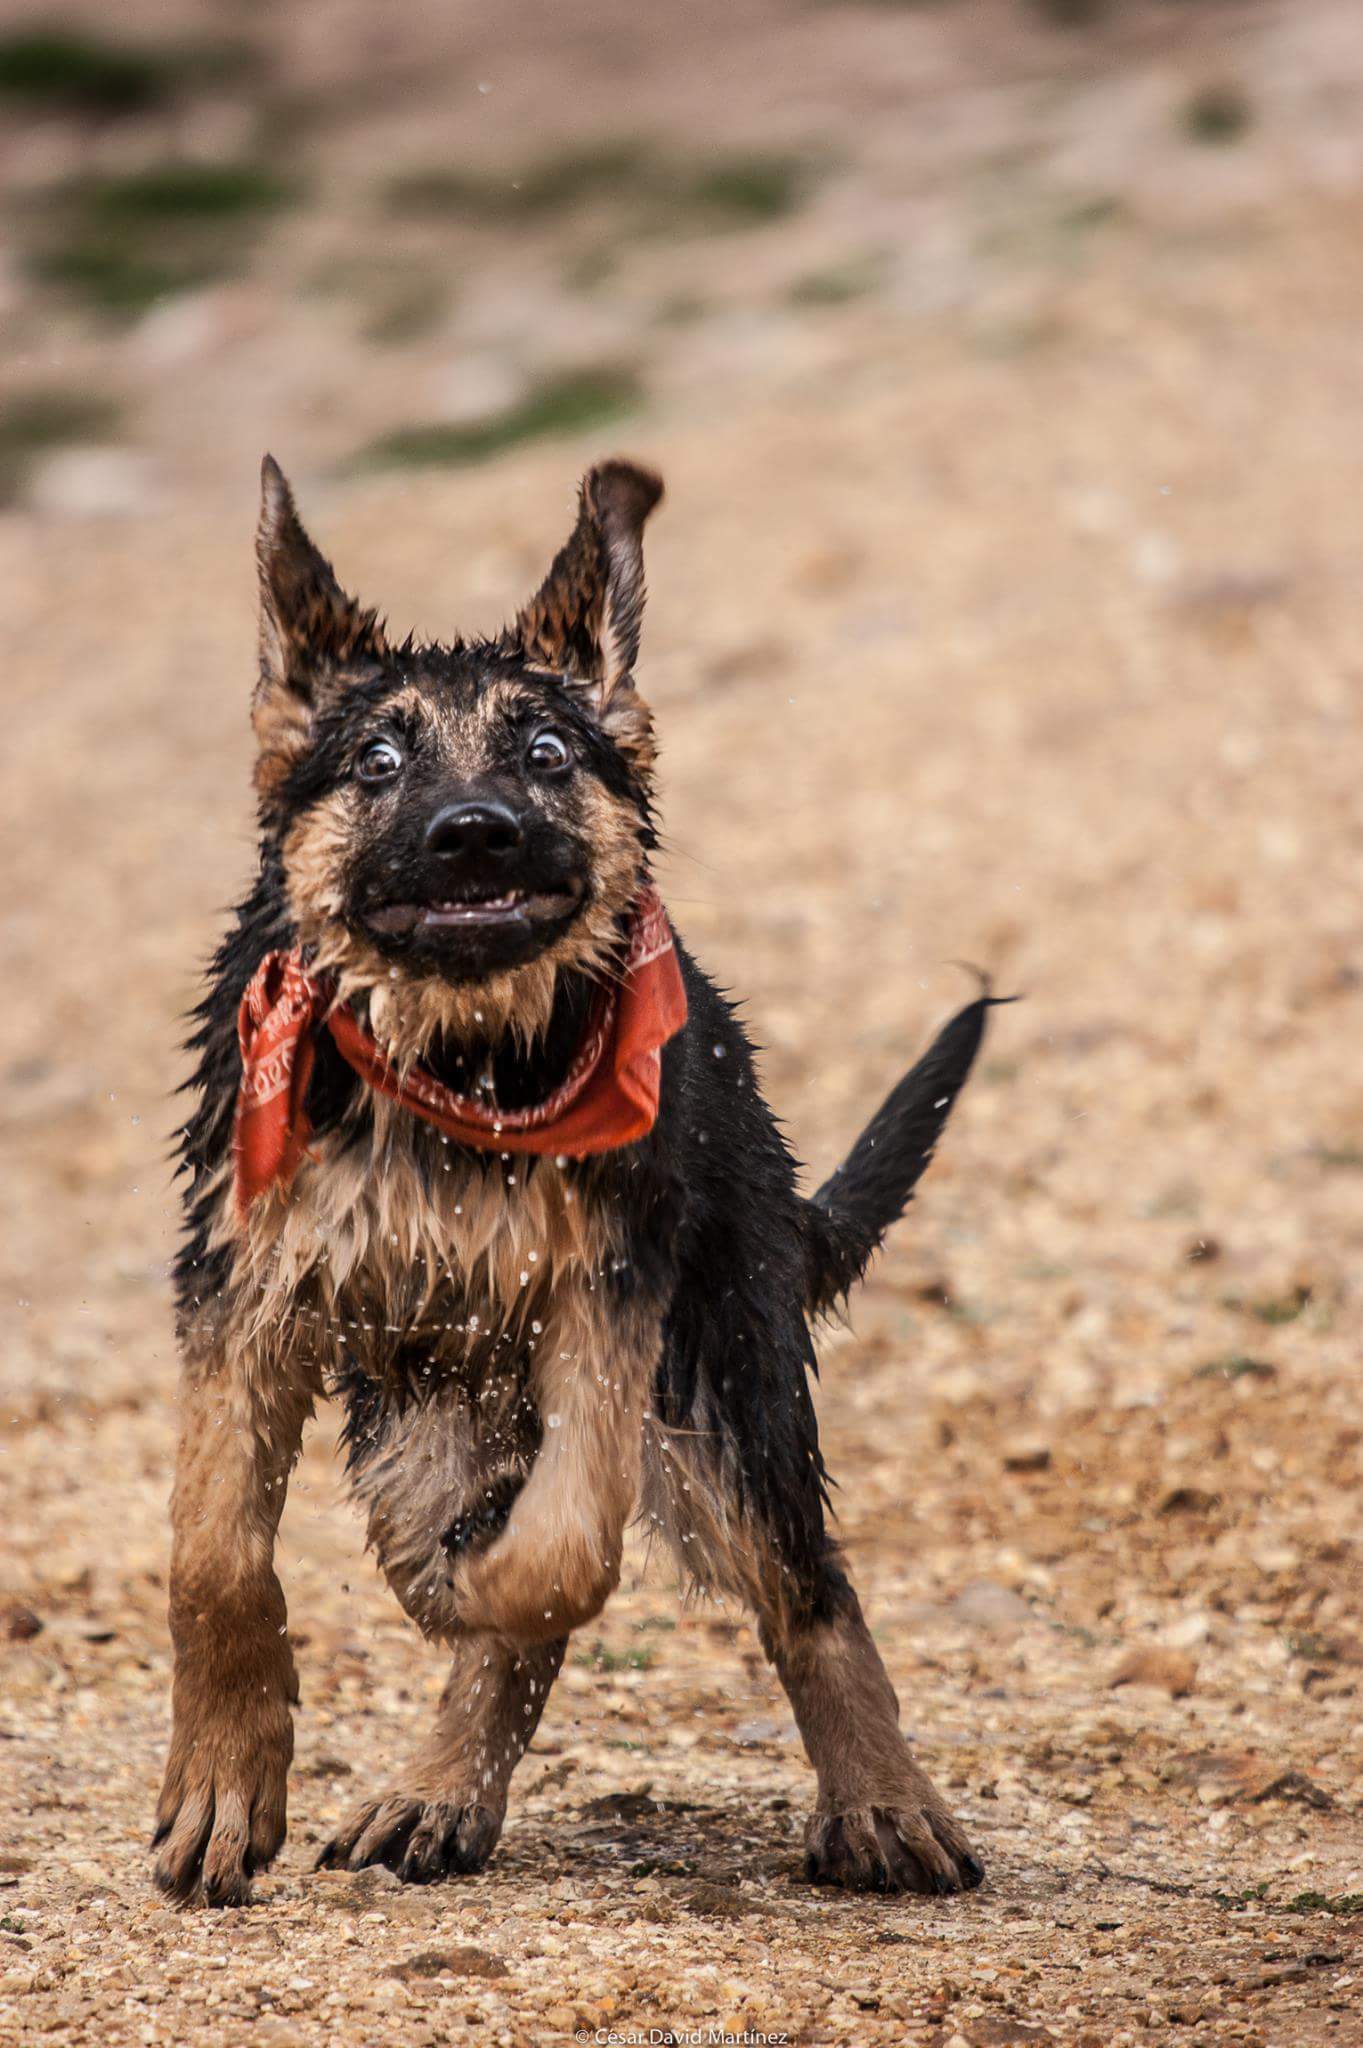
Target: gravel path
1038,651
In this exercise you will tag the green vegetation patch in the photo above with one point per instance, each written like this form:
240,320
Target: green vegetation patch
1338,1158
122,243
555,184
1252,1895
746,190
183,191
63,69
599,1658
59,68
1072,13
32,423
1274,1309
653,191
839,284
560,405
115,278
1343,1905
1236,1366
1217,114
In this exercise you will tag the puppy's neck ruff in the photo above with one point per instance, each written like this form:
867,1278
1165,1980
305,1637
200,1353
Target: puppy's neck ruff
608,1098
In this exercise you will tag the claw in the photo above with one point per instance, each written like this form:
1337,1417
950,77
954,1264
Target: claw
890,1849
423,1842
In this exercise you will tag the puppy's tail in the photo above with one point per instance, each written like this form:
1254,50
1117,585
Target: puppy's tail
847,1219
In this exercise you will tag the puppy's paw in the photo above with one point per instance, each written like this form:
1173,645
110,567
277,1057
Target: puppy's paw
423,1840
909,1847
222,1812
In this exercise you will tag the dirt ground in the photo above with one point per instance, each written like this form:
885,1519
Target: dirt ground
1006,610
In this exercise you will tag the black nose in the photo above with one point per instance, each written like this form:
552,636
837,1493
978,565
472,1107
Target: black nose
485,830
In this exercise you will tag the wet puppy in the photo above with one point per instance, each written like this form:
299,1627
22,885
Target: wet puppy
479,1150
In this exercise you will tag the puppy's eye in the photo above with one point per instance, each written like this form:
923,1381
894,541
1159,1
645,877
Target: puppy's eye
548,753
379,762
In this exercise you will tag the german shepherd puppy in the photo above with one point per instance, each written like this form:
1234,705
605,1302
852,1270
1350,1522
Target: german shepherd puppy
479,1149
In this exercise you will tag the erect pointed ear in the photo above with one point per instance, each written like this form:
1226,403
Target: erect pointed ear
308,628
584,619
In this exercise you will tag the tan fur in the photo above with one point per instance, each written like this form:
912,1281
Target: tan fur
499,1381
689,1496
875,1806
453,1791
234,1678
406,1012
559,1559
366,1226
366,1246
498,1374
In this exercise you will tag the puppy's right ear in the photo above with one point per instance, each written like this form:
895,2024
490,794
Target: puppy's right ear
309,630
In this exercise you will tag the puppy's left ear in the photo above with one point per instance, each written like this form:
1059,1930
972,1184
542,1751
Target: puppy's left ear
584,619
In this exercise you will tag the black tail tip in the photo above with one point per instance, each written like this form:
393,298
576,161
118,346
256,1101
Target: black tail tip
986,982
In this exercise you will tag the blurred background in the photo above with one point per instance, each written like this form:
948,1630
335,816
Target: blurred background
426,235
1003,359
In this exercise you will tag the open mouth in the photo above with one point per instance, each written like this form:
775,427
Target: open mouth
476,912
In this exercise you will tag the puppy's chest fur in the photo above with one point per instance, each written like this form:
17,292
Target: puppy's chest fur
401,1269
459,1303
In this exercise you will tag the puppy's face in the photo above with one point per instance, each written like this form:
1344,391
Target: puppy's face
468,819
461,816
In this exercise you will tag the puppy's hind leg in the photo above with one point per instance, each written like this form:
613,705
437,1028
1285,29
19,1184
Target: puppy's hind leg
442,1814
878,1824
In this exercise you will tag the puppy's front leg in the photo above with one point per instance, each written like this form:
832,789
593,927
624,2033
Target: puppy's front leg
221,1813
558,1560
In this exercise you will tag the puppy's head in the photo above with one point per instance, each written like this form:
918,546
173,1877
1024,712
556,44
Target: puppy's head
457,825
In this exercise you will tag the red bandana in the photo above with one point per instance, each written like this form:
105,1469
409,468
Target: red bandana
609,1098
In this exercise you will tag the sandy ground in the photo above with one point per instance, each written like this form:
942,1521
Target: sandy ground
1032,643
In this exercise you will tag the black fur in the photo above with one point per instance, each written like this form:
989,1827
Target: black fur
710,1226
487,808
850,1214
711,1222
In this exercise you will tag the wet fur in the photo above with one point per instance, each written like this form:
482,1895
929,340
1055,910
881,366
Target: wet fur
529,1350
